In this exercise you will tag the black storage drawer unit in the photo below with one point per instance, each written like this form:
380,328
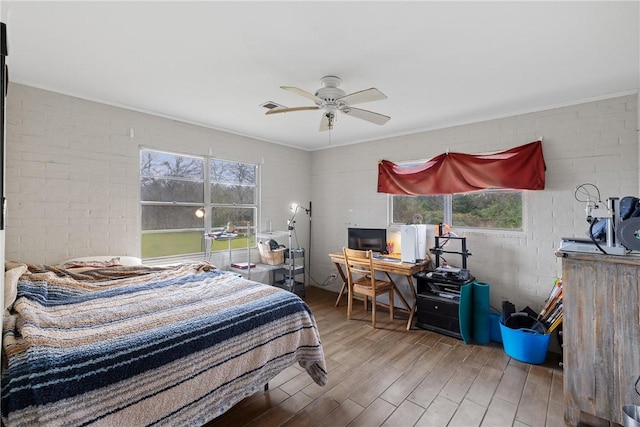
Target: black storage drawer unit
439,306
438,314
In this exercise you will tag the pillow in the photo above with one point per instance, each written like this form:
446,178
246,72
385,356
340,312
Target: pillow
101,262
130,260
92,263
11,284
8,265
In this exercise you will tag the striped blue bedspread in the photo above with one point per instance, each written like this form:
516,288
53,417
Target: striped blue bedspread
133,346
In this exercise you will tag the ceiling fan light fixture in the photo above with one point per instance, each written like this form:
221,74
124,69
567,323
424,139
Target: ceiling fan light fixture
330,115
331,118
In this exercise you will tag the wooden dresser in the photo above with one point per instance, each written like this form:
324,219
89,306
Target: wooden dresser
601,334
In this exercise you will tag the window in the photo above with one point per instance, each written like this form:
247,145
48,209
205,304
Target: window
496,209
418,209
490,209
172,189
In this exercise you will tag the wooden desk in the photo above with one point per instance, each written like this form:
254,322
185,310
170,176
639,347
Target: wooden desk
401,268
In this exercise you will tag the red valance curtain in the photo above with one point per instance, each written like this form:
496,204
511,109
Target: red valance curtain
520,168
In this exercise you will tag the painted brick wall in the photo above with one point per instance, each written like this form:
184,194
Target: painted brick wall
73,174
72,181
594,142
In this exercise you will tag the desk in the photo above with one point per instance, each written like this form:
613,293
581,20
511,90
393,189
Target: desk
208,237
401,268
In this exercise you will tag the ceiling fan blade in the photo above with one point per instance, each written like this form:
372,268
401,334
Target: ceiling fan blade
367,95
369,116
304,93
289,110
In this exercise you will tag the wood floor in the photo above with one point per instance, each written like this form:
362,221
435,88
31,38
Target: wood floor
393,377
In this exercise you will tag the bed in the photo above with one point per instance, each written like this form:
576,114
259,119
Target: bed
110,344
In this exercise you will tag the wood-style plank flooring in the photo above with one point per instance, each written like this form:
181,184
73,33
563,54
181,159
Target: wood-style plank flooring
393,377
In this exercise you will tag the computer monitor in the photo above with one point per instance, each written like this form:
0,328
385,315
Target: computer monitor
367,239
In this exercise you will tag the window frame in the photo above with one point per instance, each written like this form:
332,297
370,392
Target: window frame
207,204
210,205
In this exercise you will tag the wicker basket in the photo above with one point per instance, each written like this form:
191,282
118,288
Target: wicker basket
269,257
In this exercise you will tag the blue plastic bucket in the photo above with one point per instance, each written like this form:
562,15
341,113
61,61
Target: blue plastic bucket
525,345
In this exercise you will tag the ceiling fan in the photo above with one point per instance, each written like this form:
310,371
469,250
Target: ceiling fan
331,99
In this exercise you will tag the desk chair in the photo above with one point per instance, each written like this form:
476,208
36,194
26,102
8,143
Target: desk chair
361,278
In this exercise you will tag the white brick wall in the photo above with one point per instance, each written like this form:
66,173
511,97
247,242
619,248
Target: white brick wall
595,142
72,181
73,174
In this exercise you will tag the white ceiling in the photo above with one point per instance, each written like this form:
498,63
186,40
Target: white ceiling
214,63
